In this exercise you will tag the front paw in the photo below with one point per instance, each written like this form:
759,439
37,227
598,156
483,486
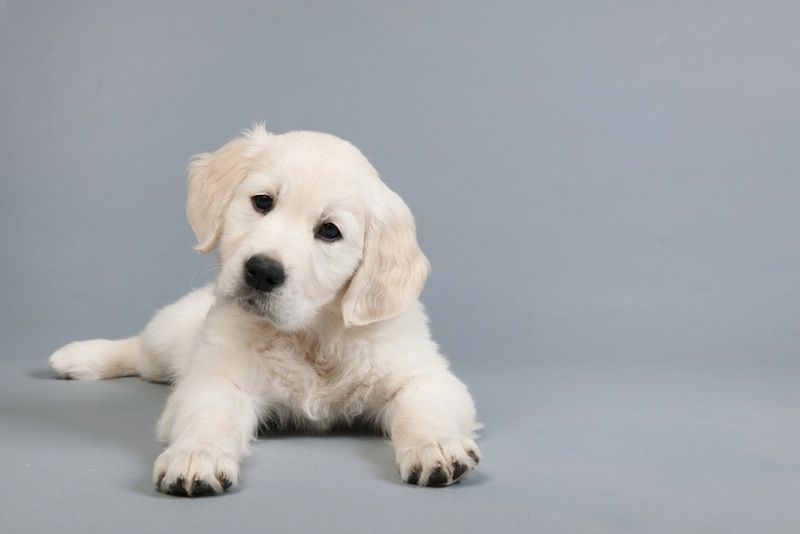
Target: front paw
195,471
437,462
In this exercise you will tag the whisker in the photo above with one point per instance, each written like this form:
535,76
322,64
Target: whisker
204,270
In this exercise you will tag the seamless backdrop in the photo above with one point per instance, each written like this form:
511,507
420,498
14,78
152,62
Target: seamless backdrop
608,193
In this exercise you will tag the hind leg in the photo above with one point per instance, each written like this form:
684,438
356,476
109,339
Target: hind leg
160,353
97,359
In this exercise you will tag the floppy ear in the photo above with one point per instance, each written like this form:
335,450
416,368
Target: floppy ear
212,179
393,268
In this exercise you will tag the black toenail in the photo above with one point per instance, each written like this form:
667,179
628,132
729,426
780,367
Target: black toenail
474,457
438,478
201,488
413,477
176,488
224,481
458,469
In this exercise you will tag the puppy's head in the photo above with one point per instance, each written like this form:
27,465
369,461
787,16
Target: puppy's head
302,222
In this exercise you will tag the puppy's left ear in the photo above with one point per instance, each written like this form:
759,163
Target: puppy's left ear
212,179
393,268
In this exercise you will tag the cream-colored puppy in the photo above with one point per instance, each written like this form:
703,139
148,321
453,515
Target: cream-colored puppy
313,321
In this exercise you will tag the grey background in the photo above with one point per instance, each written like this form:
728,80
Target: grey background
608,193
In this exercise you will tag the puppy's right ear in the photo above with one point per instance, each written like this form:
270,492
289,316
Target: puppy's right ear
212,178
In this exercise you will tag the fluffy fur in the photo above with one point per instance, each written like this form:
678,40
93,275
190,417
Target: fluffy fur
343,341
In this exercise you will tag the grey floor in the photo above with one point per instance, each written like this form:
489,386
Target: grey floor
568,448
608,192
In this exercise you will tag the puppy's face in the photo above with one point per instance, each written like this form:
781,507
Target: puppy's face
302,222
293,233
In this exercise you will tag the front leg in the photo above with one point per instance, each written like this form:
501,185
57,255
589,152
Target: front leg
208,424
431,421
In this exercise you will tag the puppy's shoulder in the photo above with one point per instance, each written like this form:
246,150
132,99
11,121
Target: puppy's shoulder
404,339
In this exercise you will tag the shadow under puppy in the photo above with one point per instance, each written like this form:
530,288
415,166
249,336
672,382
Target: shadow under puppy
313,320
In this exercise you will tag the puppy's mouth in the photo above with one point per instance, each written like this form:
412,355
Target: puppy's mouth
280,307
258,304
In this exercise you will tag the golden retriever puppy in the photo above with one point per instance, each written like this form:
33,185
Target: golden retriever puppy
313,320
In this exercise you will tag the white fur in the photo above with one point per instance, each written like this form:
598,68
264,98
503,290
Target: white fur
344,340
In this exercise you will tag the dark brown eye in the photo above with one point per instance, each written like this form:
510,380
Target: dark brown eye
262,203
328,232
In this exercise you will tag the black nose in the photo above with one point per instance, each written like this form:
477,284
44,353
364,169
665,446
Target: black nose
263,273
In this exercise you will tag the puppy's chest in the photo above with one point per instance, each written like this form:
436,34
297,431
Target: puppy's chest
317,385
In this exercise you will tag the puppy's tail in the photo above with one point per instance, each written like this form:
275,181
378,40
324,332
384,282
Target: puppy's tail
97,359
